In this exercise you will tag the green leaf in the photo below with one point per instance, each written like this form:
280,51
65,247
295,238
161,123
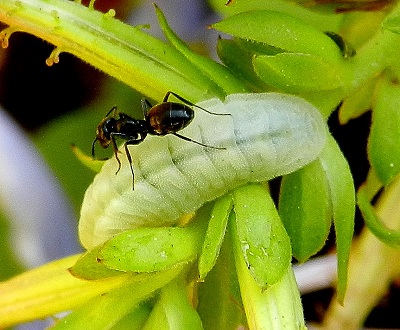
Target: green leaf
325,101
378,228
297,73
342,194
281,31
220,79
173,309
106,310
152,249
235,55
135,319
260,232
358,102
88,267
346,49
219,302
215,235
275,307
392,23
305,209
384,140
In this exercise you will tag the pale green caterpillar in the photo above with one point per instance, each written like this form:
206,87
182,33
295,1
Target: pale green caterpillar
266,135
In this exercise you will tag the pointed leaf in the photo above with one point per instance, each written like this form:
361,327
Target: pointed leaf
297,73
281,31
384,140
219,301
378,228
342,195
152,249
88,267
305,209
235,55
264,242
215,235
220,77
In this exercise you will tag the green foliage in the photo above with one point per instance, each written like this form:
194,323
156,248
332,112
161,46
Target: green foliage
384,151
299,207
262,238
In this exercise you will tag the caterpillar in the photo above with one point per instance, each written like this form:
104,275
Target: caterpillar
266,135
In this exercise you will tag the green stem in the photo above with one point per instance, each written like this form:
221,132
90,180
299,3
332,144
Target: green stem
373,265
122,51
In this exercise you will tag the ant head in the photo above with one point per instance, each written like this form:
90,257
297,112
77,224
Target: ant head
103,132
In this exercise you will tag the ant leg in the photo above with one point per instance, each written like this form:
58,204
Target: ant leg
146,106
199,143
128,155
192,104
93,155
116,151
93,145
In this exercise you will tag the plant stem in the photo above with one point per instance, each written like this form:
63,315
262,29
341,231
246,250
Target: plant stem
373,265
122,51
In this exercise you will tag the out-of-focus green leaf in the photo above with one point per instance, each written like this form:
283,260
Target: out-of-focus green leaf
342,194
260,232
298,73
94,164
281,31
173,309
306,210
384,140
215,235
9,264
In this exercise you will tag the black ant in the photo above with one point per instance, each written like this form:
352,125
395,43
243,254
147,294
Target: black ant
161,119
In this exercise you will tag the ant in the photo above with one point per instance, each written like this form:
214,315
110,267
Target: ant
161,119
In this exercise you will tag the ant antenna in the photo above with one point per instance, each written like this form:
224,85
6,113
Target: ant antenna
192,104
